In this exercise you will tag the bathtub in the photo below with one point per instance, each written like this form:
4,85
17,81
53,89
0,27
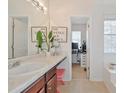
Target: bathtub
113,77
110,79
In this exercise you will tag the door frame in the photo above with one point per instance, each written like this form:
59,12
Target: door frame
89,46
16,16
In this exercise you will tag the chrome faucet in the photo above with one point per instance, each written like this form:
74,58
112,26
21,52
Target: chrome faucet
13,64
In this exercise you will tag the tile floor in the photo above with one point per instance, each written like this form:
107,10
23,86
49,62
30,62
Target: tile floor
80,84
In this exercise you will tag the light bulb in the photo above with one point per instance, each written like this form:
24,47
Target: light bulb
37,8
45,8
41,4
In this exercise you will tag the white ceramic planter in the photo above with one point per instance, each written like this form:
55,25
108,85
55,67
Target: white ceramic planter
52,51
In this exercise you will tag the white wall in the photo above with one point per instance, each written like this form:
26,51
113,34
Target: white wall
109,58
9,38
80,27
35,17
60,13
20,37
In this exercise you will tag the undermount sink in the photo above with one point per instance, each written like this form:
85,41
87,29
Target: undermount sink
25,69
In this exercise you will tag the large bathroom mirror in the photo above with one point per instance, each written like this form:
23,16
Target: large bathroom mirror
22,16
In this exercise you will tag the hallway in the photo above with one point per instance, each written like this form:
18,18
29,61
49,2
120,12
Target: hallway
78,72
79,83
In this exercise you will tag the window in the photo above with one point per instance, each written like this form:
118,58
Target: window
109,36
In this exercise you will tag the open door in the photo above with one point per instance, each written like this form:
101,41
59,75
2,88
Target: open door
88,49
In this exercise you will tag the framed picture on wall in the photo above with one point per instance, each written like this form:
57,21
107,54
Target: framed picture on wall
35,29
60,33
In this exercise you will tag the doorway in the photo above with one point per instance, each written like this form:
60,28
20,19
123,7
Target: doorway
80,47
17,37
76,43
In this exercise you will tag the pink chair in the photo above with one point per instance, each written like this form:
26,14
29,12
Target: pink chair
60,75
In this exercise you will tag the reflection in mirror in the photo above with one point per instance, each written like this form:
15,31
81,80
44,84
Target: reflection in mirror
18,37
22,15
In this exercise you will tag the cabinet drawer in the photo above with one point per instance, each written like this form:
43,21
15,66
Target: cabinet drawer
52,85
36,86
50,74
42,90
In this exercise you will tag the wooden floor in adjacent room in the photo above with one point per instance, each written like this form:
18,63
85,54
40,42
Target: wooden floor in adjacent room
79,83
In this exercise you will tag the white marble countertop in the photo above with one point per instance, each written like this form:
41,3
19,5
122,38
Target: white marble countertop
19,83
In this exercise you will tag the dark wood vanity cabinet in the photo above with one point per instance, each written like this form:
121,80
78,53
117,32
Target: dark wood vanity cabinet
37,86
50,74
51,78
42,90
52,85
46,84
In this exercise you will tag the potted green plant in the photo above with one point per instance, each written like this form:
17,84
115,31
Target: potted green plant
49,39
39,38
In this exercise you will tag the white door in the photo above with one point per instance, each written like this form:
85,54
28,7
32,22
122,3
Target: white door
20,37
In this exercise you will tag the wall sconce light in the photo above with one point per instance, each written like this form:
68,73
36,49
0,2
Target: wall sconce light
38,5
